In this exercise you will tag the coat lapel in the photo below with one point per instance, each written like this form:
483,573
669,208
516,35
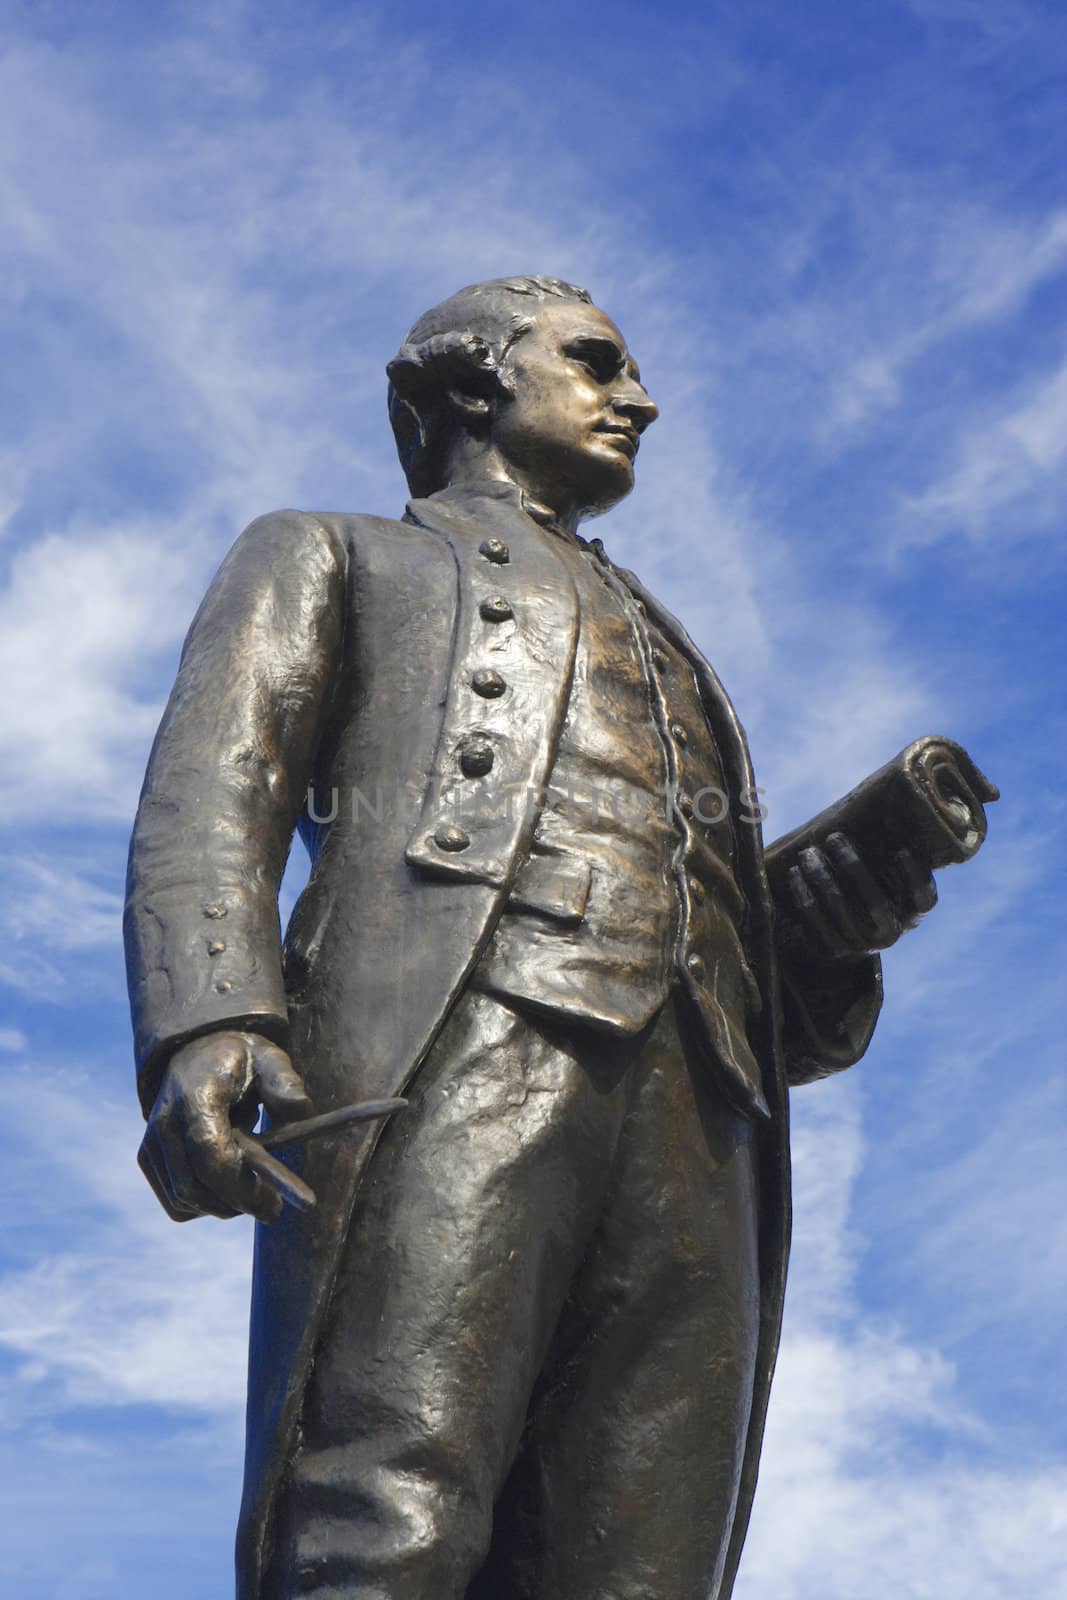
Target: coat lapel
513,661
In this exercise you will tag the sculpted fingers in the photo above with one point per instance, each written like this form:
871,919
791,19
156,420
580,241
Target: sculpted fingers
193,1153
223,1079
278,1084
918,891
216,1160
159,1179
818,930
166,1159
165,1164
873,914
189,1153
845,908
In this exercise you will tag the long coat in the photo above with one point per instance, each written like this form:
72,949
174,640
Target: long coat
333,652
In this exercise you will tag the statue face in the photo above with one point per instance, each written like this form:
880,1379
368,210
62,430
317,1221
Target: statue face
569,433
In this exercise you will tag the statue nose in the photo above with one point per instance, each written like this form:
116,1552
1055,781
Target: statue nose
637,407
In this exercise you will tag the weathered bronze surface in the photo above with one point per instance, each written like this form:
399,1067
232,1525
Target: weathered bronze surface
522,1345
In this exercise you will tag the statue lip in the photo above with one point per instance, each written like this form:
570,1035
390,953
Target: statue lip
627,437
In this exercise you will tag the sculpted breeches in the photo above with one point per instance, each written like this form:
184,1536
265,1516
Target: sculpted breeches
535,1379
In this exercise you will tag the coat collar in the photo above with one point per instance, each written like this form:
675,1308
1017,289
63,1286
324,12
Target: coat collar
484,497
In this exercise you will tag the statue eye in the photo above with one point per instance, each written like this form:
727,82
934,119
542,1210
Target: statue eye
599,357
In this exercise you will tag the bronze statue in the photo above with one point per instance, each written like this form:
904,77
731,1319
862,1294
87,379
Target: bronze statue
522,1345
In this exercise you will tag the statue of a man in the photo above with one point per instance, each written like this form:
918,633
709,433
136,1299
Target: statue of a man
523,1345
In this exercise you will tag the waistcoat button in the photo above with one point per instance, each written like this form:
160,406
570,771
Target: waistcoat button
496,609
495,550
489,684
476,758
452,839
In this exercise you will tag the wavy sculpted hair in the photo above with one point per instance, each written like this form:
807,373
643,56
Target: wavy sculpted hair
461,343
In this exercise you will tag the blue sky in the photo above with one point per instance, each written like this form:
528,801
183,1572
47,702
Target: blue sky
836,238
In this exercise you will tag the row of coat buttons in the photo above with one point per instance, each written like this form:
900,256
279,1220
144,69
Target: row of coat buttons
695,963
684,801
476,756
496,608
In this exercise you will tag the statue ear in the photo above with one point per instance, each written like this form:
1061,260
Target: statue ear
473,408
409,429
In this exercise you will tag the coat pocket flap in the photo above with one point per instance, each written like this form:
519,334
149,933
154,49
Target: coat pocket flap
553,886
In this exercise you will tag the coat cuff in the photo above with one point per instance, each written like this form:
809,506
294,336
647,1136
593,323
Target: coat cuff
829,1015
199,970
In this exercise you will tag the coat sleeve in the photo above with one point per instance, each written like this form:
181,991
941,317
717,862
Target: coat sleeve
829,1011
829,1008
226,781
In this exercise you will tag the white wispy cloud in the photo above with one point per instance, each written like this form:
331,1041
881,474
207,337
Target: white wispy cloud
138,1310
60,926
253,407
208,290
997,1216
81,614
999,21
1006,477
877,1478
991,908
932,272
240,388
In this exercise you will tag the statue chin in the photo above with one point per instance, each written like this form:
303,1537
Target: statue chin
610,486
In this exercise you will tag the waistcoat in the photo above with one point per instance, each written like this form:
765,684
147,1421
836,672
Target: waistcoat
630,886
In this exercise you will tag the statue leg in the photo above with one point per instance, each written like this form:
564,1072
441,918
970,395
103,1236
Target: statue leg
626,1484
476,1212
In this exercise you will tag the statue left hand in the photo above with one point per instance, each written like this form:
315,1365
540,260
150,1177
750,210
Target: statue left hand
840,910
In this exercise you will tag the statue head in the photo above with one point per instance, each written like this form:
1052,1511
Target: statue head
520,378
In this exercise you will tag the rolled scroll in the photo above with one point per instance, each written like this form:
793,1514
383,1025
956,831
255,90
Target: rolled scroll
928,800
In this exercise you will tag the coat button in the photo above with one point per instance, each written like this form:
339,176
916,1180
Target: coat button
696,890
488,683
495,550
685,804
476,758
695,963
496,609
215,947
678,733
452,839
659,660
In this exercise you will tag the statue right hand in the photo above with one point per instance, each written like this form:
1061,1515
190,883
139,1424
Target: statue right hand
189,1154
